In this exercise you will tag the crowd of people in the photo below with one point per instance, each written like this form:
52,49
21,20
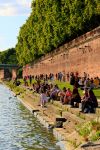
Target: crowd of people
49,91
72,78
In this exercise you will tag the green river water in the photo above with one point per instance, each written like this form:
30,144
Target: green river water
19,130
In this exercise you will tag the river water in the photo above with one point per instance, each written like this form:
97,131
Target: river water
19,130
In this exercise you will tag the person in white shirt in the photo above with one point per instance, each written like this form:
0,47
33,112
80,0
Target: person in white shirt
43,97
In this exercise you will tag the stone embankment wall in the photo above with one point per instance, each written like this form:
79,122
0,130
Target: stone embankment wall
13,72
1,73
80,55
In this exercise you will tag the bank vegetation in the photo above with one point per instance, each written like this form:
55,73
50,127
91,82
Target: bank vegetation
82,127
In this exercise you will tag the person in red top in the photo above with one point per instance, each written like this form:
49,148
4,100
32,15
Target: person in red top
68,96
62,95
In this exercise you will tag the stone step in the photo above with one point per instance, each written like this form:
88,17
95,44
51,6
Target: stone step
76,111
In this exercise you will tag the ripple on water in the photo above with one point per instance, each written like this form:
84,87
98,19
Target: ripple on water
19,130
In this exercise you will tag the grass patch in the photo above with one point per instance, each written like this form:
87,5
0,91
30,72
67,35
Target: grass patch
67,85
80,116
91,130
64,84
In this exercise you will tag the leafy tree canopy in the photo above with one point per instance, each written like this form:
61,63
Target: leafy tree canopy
54,22
8,57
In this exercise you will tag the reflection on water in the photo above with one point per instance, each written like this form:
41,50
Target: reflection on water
19,130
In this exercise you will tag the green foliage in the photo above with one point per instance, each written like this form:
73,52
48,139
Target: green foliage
16,89
11,85
8,57
91,130
95,125
85,130
95,136
19,73
52,23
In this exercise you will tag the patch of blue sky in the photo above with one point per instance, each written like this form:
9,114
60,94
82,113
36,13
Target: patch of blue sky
13,14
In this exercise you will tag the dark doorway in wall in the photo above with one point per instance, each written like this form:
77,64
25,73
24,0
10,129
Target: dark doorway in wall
7,73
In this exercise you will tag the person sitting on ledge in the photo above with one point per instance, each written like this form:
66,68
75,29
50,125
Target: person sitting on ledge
66,97
76,99
96,82
84,100
62,95
89,102
54,93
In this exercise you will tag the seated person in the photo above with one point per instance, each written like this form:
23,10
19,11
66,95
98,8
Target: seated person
80,83
75,98
84,100
33,87
87,83
92,86
62,95
54,92
37,87
68,96
96,82
89,102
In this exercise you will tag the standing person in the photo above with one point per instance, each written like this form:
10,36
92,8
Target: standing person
56,76
85,75
64,76
72,78
25,81
43,97
52,78
68,76
30,79
60,76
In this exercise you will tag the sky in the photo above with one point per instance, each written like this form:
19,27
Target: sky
13,14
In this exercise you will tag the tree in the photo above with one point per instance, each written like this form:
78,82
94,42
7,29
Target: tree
8,57
52,23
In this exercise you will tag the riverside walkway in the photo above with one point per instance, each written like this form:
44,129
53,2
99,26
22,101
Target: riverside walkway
68,133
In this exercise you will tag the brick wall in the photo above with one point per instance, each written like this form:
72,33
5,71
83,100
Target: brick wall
14,73
1,73
80,55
